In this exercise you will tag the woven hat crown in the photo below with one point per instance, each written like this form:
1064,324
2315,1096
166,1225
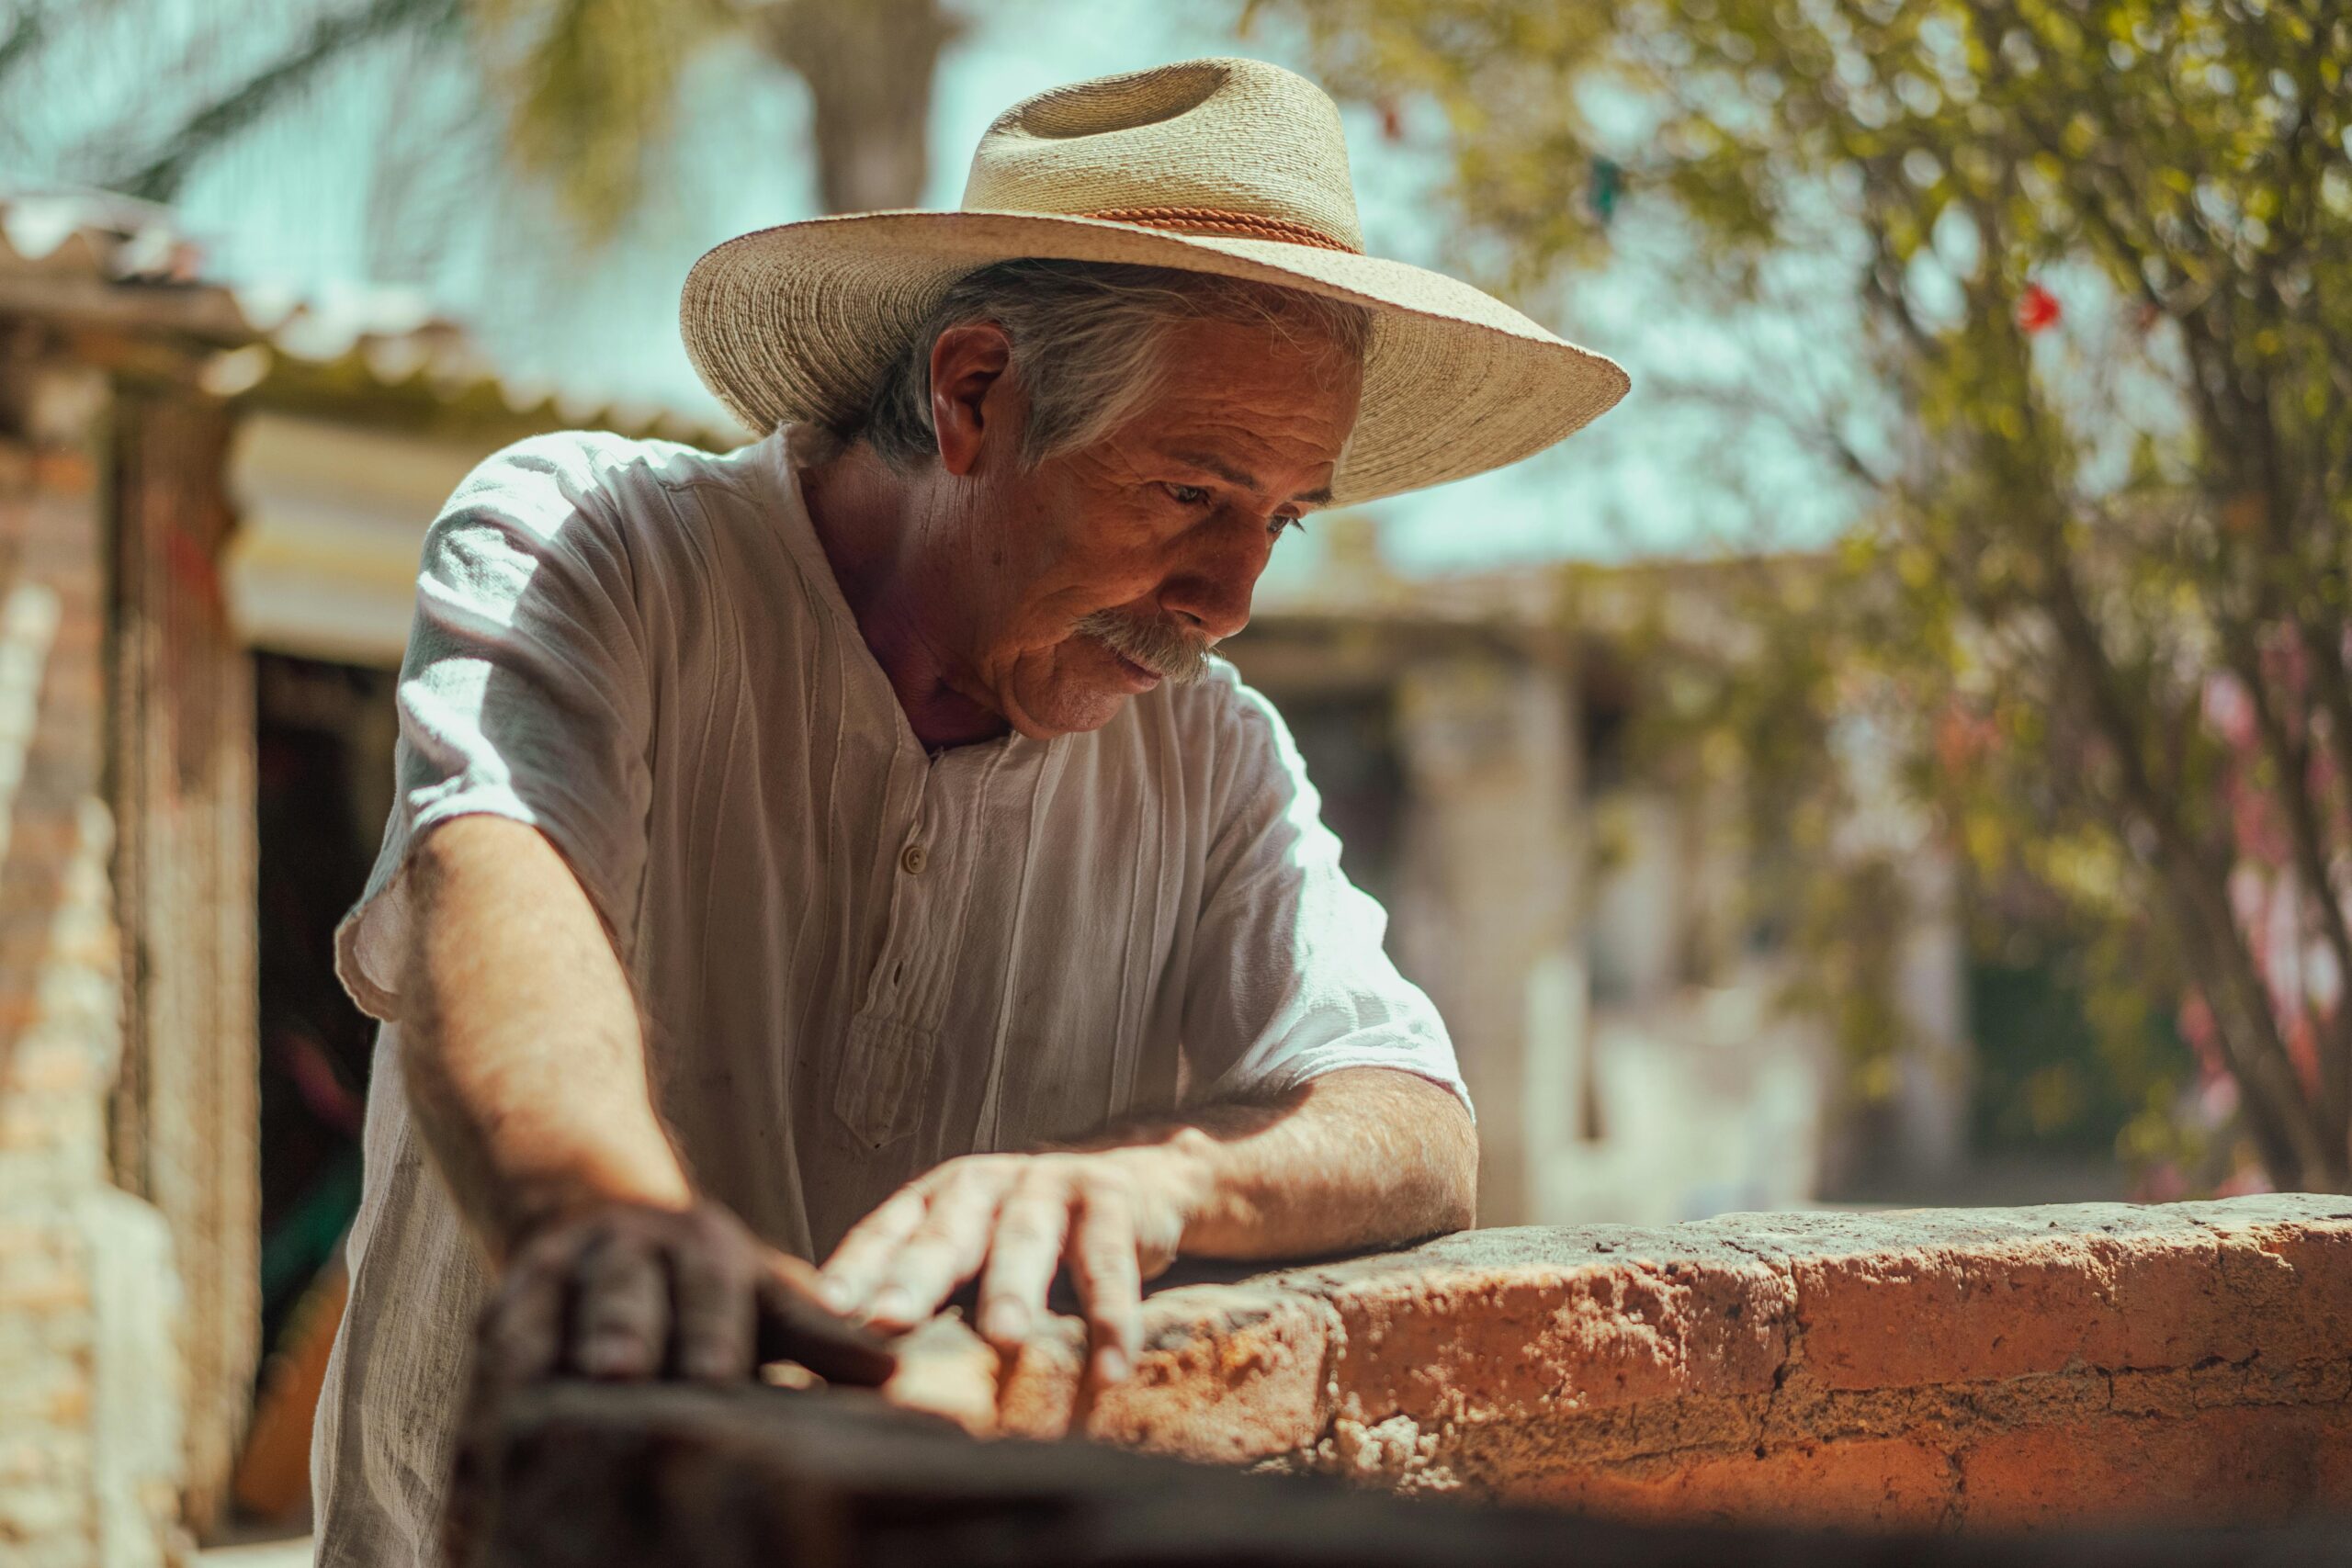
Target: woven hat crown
1233,146
1232,168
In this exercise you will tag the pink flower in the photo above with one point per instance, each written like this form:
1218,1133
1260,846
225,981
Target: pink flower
2229,710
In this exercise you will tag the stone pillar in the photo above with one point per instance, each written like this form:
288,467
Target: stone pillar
1918,1145
1490,886
1932,980
90,1436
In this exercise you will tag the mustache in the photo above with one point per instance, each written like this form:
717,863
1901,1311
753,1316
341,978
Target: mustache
1158,645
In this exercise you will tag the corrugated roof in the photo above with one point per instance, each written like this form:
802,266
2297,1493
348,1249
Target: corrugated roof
94,258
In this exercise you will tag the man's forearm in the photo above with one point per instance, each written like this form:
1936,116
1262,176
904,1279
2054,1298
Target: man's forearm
523,1057
1356,1158
525,1065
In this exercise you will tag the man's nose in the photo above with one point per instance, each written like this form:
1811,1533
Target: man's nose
1210,589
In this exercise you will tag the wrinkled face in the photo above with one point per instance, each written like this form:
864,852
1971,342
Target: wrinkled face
1152,538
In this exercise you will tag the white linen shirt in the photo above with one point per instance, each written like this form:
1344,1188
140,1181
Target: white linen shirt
855,959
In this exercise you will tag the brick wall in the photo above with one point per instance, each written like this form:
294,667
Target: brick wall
2088,1366
89,1429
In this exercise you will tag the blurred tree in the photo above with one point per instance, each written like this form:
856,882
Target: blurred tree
2096,257
587,88
595,82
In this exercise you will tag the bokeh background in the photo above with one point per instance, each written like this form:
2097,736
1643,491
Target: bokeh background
1904,755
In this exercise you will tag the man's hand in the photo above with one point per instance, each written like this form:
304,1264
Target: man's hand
1117,1216
1362,1156
629,1290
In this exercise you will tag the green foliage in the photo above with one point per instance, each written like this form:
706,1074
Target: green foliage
2053,1072
2100,256
592,86
583,95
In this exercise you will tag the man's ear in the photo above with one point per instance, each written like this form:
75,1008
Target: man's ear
967,364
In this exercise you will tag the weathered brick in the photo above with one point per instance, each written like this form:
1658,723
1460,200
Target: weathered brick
88,1380
88,1421
1879,1483
1466,1344
1230,1379
1957,1308
1798,1369
2268,1464
2294,1274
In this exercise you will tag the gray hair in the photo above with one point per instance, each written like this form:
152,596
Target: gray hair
1087,339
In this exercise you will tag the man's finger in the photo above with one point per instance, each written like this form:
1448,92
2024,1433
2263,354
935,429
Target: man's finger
792,1327
857,1265
621,1318
1023,1255
716,1318
1110,1283
945,1248
522,1335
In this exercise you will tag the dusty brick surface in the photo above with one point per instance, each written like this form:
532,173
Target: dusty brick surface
2170,1467
2080,1365
1481,1329
2288,1261
1230,1374
1881,1483
2114,1287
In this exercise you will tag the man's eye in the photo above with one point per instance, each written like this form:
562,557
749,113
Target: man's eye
1188,495
1284,523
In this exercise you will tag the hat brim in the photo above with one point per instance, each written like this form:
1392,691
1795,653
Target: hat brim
798,321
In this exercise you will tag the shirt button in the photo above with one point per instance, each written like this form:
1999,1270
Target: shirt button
913,858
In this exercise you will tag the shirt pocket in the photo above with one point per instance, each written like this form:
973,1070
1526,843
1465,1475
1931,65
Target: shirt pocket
884,1071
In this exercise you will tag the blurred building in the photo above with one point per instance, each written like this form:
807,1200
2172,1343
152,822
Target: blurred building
1587,921
210,507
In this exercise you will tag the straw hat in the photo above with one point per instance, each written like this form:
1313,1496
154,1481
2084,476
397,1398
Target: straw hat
1227,166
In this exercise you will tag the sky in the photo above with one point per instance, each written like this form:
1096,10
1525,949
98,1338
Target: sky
298,207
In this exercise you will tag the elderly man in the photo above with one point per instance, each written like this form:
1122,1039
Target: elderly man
851,848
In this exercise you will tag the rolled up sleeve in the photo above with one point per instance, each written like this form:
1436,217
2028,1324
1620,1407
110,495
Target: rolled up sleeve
1289,979
523,694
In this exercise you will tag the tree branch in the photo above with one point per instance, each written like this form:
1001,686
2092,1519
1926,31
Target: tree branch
2274,1101
2290,756
329,39
26,32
